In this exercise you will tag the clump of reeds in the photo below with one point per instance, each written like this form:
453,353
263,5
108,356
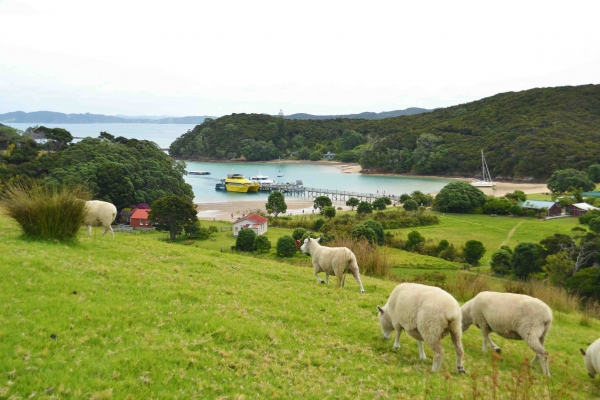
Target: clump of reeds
44,211
372,260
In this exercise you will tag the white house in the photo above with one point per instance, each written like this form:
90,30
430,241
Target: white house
253,221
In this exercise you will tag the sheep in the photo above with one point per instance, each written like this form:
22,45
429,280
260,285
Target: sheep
99,213
592,358
426,313
332,260
512,316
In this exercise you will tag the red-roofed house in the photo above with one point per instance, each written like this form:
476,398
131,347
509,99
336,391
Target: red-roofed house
252,221
139,219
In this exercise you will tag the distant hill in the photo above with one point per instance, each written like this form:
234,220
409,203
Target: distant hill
525,135
363,115
87,118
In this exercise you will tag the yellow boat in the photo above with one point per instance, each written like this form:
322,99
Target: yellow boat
237,183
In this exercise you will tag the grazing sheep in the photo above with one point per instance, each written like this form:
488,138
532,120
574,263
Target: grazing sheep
592,358
332,260
100,213
426,313
512,316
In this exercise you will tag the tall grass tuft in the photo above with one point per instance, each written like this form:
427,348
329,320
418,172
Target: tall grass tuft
468,285
45,212
372,260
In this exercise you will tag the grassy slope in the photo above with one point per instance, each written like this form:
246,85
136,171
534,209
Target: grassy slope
157,320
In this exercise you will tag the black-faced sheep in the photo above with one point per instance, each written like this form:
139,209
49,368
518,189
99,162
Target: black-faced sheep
592,358
100,213
426,313
332,260
512,316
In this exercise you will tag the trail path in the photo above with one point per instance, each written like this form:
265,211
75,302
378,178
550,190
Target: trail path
510,233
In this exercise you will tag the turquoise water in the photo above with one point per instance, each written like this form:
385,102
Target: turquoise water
316,176
161,134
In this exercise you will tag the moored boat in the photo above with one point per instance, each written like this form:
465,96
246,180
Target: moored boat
487,177
262,179
199,173
238,183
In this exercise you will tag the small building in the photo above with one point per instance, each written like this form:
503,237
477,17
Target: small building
578,209
139,219
553,208
253,221
329,155
591,194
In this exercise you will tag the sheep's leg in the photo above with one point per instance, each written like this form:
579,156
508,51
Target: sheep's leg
327,278
343,279
422,355
438,353
397,341
89,229
356,275
317,270
485,332
533,341
456,340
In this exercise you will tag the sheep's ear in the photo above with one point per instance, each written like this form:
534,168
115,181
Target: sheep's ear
582,351
318,239
380,310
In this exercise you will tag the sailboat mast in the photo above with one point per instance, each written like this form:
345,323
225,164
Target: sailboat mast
482,166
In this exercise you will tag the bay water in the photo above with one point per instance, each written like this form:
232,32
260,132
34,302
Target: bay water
311,175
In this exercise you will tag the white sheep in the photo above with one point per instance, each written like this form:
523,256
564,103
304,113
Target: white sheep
592,358
100,213
332,260
426,313
512,316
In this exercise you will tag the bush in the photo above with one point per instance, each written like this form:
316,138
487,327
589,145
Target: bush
497,205
318,224
362,231
261,243
298,233
308,235
459,197
450,254
595,224
352,202
586,282
364,208
329,211
500,262
380,204
377,228
286,246
516,210
442,245
245,240
45,212
315,156
473,251
410,205
525,259
414,240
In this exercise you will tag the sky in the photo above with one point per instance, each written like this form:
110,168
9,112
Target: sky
323,57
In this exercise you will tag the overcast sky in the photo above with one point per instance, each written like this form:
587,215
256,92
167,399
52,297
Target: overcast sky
321,57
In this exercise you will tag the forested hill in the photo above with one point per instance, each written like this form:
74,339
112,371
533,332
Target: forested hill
526,134
363,115
87,118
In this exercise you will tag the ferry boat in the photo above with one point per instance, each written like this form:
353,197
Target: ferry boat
262,179
237,183
199,173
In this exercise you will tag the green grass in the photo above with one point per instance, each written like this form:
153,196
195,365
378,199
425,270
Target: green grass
135,317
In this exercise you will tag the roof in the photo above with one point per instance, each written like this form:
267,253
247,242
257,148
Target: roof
585,206
140,213
536,204
255,218
591,194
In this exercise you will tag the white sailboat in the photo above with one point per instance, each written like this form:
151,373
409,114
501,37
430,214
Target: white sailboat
487,178
280,174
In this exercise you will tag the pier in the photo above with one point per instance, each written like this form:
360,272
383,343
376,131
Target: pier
297,189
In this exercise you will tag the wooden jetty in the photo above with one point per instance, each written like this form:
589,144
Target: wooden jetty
291,189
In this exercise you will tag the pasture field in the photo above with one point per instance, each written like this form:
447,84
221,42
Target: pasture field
137,318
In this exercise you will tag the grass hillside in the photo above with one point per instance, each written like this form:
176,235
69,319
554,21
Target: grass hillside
134,317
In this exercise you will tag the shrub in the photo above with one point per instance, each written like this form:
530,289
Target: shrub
362,231
500,262
585,282
473,251
558,267
45,212
352,202
286,246
588,216
329,211
380,203
298,233
245,240
414,240
497,205
516,210
315,156
442,245
364,208
525,259
261,243
410,205
306,235
318,224
450,254
459,197
377,228
595,224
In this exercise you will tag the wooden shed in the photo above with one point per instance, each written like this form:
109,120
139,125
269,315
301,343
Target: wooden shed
578,209
139,219
253,221
553,208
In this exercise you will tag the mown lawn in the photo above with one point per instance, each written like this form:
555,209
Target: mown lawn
137,318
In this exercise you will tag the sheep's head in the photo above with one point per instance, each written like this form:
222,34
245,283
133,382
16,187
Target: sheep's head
306,244
386,322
